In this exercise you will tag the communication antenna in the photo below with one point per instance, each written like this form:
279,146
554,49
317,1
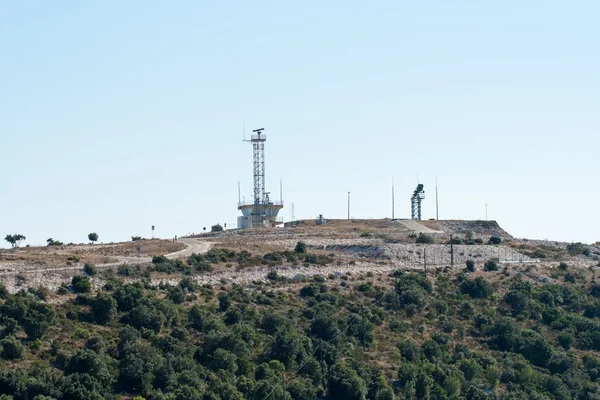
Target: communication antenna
437,215
239,193
393,201
415,202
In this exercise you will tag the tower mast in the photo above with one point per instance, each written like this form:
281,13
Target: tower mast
258,145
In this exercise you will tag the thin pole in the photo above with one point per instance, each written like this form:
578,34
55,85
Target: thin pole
437,214
396,289
281,190
362,311
348,205
393,203
486,217
239,192
451,250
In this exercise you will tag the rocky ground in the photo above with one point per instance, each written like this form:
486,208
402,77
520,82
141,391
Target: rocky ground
355,247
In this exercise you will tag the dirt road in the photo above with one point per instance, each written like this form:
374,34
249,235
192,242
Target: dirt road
193,245
416,226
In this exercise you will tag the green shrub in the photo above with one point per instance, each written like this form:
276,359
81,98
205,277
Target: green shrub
62,290
311,259
216,228
477,288
569,277
300,247
424,239
495,240
12,348
81,284
470,265
274,257
490,266
563,266
90,269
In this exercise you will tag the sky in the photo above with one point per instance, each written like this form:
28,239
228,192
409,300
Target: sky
116,116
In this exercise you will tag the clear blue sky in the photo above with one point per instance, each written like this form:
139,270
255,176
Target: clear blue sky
116,115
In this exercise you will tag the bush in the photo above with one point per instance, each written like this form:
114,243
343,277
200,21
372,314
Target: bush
300,247
216,228
81,284
477,288
311,259
490,266
470,265
62,290
365,234
52,242
424,239
495,240
11,348
90,269
3,291
454,240
274,257
563,266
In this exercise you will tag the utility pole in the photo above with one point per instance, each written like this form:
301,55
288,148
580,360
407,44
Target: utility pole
393,203
362,311
451,250
437,213
348,205
396,289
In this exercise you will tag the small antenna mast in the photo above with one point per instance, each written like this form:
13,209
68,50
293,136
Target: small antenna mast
437,215
244,129
239,192
281,190
393,202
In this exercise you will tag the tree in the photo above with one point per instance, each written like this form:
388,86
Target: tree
490,266
93,237
15,240
300,247
477,288
52,242
345,384
470,265
11,348
81,284
104,308
216,228
495,240
90,269
424,239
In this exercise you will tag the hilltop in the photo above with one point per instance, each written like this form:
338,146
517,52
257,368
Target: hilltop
355,310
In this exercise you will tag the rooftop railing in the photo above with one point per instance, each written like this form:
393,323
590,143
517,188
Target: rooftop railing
251,203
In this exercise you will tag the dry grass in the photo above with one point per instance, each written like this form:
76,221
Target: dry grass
95,254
